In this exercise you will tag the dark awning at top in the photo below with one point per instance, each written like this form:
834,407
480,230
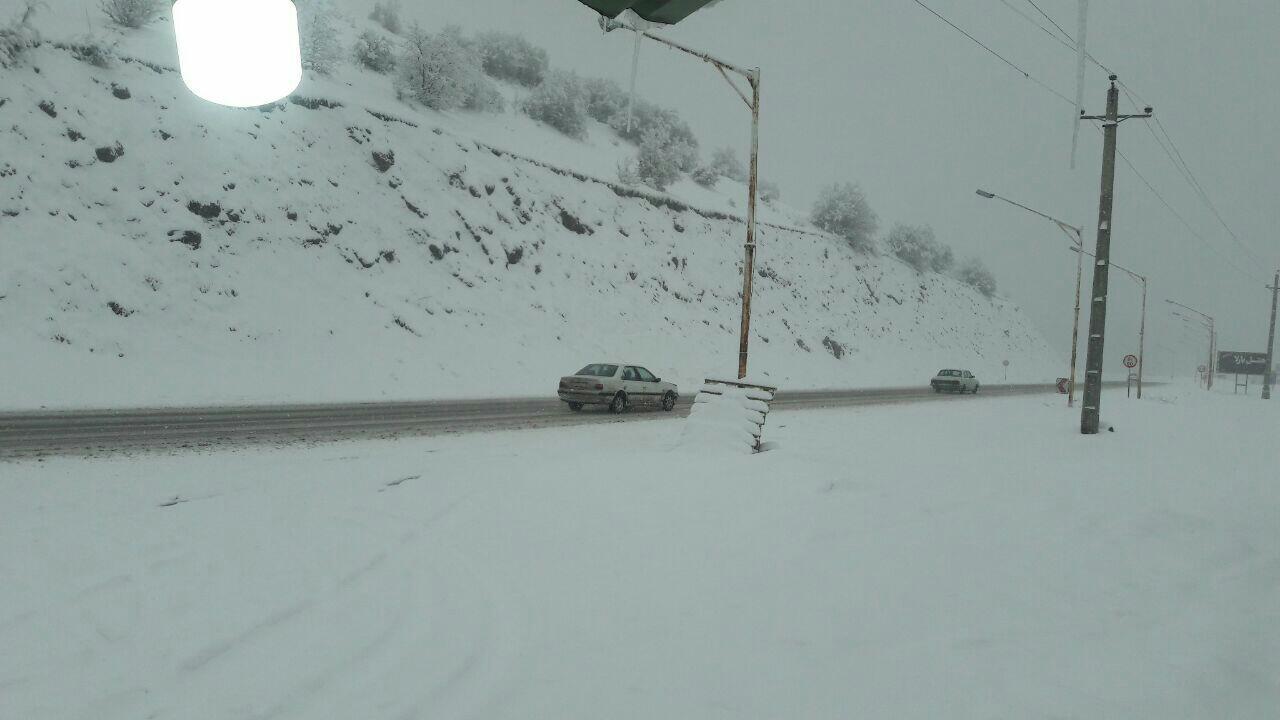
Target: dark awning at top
667,12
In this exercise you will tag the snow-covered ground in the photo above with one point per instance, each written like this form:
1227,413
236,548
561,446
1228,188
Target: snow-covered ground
967,559
159,250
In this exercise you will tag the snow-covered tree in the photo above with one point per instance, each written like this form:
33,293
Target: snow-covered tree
914,245
605,99
943,259
18,36
725,162
661,156
387,14
769,191
132,13
375,52
510,57
705,175
443,72
560,102
317,38
647,116
974,272
842,209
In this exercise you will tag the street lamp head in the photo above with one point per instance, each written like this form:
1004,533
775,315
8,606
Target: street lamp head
985,194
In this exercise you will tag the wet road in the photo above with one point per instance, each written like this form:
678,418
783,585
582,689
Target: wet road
41,433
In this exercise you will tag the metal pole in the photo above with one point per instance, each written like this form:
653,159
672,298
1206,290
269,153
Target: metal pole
749,251
1089,417
1075,326
1269,375
1142,337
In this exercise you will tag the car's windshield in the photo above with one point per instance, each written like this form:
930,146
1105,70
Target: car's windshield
599,370
948,373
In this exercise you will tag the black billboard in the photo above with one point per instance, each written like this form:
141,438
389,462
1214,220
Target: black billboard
1242,363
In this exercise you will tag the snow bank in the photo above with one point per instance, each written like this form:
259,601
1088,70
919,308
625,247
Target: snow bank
725,418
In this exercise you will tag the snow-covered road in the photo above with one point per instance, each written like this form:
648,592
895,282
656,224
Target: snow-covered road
976,559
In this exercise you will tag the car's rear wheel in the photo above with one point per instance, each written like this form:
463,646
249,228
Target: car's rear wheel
575,406
669,402
619,404
975,389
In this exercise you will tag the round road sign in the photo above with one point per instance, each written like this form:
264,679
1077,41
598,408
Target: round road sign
1131,361
1202,368
1006,363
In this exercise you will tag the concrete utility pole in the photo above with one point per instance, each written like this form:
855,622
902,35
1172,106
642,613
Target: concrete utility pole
1101,268
752,77
1269,376
1213,342
1076,235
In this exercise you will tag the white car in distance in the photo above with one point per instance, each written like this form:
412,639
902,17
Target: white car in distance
617,386
961,381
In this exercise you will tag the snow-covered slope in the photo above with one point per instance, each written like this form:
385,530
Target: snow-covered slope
156,249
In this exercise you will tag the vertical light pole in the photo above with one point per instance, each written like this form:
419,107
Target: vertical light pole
1213,340
752,77
1270,375
1076,235
1142,327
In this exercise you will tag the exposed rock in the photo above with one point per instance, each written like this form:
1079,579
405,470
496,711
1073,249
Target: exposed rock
208,211
190,238
109,154
384,160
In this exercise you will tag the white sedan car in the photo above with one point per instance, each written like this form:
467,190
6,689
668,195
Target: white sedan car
960,381
618,386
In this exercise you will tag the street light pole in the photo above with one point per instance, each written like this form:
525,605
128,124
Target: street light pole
752,77
1142,327
1213,339
1270,377
1076,235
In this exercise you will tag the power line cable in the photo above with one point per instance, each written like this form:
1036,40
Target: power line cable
1046,15
1002,58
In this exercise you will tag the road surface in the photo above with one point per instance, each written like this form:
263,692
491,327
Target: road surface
39,433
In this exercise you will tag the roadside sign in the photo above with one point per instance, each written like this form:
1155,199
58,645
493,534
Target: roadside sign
1131,361
1062,385
1006,363
1242,363
1202,369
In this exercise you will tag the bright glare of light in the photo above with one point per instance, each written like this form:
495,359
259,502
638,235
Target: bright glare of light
241,53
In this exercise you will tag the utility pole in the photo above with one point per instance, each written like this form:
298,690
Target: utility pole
1102,265
1269,376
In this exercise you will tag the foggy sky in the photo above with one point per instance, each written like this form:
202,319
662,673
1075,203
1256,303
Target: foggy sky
885,95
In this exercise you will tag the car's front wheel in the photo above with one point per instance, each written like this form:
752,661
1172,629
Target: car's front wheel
575,406
669,402
975,389
619,404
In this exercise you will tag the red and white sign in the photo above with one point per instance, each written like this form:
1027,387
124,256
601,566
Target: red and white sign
1062,385
1131,361
1203,369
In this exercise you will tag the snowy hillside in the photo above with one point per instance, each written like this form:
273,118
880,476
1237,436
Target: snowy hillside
344,245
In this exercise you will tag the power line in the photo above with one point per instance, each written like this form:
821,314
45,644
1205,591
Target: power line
1065,34
1002,58
1176,214
1172,151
